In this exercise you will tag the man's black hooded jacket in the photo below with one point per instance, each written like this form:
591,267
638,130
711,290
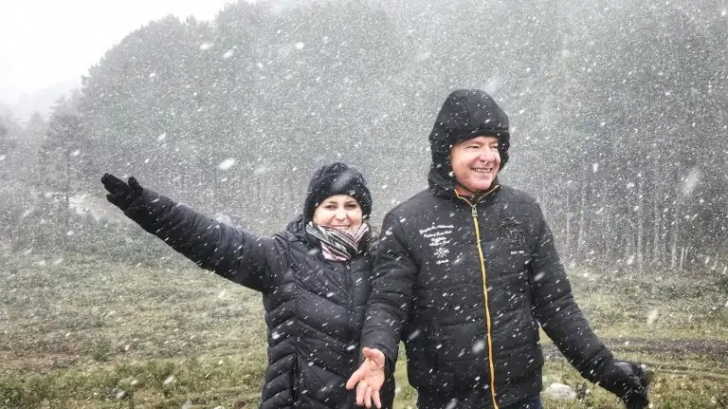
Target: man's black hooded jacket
465,284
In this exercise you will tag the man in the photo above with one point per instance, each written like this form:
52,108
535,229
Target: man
465,273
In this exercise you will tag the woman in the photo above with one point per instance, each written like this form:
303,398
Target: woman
315,277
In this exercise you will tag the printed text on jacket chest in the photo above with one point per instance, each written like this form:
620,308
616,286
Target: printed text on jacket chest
438,239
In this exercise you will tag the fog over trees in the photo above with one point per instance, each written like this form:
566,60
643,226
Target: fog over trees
619,116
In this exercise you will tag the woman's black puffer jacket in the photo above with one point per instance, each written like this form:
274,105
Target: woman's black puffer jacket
314,307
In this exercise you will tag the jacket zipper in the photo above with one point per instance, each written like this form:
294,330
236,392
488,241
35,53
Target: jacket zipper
481,256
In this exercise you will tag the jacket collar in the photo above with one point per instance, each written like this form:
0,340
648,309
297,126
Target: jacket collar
444,186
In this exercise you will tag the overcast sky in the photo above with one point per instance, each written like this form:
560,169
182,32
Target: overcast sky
43,42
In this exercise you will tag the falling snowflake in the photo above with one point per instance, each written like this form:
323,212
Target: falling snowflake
478,346
691,181
226,164
416,333
652,317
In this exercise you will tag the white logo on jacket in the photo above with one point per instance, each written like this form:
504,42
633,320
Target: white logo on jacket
439,238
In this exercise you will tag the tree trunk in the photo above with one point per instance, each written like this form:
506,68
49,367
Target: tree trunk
582,222
567,244
607,233
215,190
67,200
656,253
640,223
675,230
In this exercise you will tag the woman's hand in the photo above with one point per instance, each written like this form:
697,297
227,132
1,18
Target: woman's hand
369,378
121,194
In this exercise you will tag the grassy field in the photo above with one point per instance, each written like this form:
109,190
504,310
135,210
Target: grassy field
86,333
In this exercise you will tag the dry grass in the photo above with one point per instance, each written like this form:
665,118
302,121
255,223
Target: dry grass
87,333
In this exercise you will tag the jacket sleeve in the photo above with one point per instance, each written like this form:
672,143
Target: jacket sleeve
395,274
229,252
556,310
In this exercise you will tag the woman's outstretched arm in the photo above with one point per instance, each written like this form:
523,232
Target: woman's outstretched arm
232,253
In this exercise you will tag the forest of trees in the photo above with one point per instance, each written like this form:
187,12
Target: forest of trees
619,115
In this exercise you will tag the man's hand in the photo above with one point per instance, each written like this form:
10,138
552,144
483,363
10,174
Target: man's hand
121,194
369,378
632,381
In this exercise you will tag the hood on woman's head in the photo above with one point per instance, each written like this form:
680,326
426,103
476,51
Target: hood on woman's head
337,179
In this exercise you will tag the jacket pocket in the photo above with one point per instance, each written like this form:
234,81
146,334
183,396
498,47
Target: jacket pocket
462,352
424,377
504,260
520,362
423,368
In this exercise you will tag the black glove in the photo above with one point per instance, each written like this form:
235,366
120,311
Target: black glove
630,382
121,194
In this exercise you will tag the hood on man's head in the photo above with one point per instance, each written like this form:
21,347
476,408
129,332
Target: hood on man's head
336,179
466,114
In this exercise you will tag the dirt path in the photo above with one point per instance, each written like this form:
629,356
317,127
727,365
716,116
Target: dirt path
680,346
661,346
668,348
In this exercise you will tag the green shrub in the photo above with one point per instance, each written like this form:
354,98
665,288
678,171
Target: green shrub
98,349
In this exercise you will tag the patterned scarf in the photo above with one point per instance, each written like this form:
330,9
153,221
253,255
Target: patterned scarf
336,244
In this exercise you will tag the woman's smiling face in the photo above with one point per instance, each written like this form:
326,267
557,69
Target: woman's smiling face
340,212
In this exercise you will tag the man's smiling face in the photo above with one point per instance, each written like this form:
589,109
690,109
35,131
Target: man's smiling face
475,164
